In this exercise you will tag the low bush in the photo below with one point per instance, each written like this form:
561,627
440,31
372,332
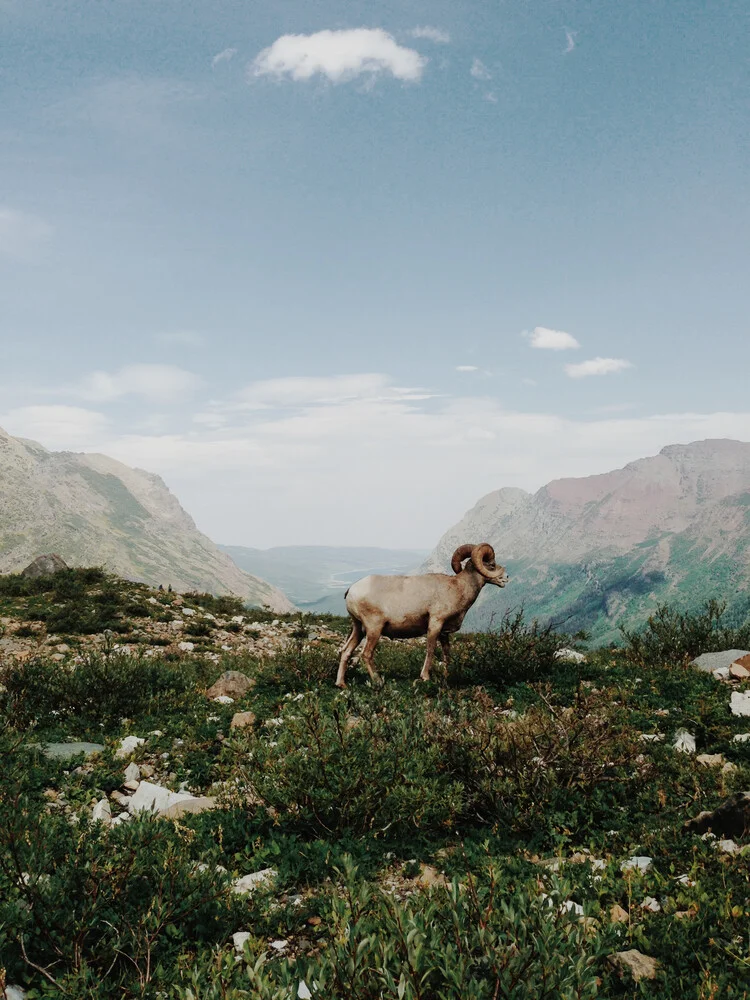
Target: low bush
399,764
672,636
100,690
476,940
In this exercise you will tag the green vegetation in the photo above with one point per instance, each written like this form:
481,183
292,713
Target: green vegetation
457,840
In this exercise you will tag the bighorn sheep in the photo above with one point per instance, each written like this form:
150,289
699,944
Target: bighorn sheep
431,604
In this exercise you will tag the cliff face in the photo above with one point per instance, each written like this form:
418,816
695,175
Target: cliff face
93,510
604,550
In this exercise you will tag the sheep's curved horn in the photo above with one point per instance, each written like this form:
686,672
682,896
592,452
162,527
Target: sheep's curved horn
461,553
483,559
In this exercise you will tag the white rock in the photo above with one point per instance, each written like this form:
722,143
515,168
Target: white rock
652,737
152,600
224,699
188,612
303,992
122,818
569,906
238,619
254,881
154,797
741,738
740,703
570,656
16,993
640,863
102,812
132,772
721,673
684,741
649,903
728,847
156,732
279,945
186,647
685,880
127,745
239,939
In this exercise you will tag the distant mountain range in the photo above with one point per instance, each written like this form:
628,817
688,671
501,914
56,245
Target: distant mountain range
604,551
315,577
92,510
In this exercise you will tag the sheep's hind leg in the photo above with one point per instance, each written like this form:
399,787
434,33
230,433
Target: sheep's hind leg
355,637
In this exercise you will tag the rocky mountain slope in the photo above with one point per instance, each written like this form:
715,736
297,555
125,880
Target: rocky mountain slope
93,510
603,551
316,577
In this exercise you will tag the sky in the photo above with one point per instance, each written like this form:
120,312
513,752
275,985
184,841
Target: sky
335,270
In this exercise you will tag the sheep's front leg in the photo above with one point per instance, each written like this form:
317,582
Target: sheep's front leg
433,634
373,637
355,637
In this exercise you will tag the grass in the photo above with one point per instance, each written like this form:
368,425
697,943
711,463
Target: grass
520,781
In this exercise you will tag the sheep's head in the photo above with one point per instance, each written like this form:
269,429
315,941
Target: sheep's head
483,561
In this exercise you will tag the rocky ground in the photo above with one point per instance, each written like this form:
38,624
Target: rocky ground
214,821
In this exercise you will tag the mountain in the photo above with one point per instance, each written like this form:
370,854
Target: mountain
316,576
603,551
92,510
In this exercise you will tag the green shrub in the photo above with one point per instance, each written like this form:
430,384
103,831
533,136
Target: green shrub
399,764
516,650
479,940
100,690
671,636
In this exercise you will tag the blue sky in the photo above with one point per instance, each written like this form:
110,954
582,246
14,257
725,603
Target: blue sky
336,286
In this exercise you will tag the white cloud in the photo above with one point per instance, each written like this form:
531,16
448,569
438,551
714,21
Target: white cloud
466,368
66,427
21,234
570,40
159,383
226,55
306,390
597,366
339,56
436,35
544,339
479,71
350,461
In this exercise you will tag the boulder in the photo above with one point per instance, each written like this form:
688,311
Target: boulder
62,751
46,565
684,741
127,745
570,656
254,881
640,966
150,796
708,662
241,720
189,807
102,812
739,703
231,684
731,819
617,915
711,759
14,993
